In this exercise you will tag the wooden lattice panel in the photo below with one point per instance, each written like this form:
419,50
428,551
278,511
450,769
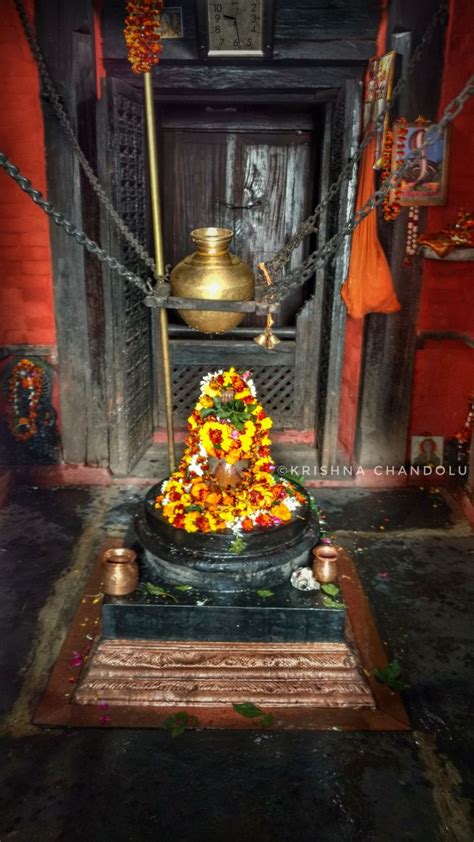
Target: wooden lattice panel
275,389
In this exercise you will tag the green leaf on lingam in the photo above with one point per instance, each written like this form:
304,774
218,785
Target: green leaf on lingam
391,676
251,711
328,602
264,593
157,590
332,590
183,587
238,545
176,723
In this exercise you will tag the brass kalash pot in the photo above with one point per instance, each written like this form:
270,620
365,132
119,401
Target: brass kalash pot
212,273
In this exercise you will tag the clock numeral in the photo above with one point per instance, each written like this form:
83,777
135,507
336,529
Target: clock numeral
217,29
217,7
217,18
221,41
236,43
254,7
254,18
249,43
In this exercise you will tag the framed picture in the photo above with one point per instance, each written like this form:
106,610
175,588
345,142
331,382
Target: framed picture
426,451
369,95
426,181
384,73
171,25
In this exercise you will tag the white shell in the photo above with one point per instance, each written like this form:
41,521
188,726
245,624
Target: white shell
302,578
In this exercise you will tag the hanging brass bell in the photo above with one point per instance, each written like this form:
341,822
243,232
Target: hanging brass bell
267,339
214,274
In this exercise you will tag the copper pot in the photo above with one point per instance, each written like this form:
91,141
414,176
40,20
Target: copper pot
212,273
119,571
325,563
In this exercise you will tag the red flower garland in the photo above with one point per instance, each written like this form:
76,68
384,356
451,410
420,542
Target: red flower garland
142,34
26,381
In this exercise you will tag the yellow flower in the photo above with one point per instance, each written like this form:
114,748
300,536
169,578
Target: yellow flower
281,511
266,423
190,521
249,428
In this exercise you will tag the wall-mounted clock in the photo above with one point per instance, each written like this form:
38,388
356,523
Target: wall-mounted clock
235,28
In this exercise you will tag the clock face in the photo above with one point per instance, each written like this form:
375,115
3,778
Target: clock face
235,27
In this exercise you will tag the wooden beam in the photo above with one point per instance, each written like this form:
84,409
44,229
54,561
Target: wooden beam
65,35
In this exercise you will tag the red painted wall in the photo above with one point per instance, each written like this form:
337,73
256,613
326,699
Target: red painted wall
444,370
26,297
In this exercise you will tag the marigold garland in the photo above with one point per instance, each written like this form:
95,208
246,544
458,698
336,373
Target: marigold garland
390,209
235,431
24,394
142,34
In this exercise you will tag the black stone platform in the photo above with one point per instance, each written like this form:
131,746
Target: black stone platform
287,616
206,560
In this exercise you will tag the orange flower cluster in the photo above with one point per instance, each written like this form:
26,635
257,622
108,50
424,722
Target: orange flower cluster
191,499
390,210
24,394
142,34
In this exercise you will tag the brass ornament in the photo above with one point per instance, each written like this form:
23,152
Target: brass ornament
267,339
120,571
325,563
214,274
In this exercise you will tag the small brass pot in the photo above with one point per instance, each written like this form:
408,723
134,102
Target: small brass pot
119,571
325,564
212,273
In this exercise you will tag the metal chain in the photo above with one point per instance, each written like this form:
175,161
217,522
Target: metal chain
282,256
70,228
55,100
278,292
321,256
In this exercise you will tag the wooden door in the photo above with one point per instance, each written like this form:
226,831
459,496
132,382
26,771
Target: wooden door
243,169
128,327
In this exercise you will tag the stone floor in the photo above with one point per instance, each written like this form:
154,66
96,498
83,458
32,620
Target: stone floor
415,555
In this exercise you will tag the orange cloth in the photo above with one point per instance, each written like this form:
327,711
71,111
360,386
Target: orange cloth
368,287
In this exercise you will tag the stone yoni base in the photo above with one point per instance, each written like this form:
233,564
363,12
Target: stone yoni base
138,672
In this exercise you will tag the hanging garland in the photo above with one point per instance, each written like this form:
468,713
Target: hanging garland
412,234
142,34
25,390
390,209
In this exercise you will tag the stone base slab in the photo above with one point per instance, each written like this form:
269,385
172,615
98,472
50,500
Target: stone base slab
137,672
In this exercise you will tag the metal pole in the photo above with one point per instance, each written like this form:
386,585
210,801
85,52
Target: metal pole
160,265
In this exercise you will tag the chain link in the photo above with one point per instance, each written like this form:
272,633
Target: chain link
277,292
282,256
55,100
70,228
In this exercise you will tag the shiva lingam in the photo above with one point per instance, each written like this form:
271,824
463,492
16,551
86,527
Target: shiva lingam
225,520
214,274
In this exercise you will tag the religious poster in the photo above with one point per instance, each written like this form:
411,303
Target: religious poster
426,451
425,182
171,25
369,95
383,84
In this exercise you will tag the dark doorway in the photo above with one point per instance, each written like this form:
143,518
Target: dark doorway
247,168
